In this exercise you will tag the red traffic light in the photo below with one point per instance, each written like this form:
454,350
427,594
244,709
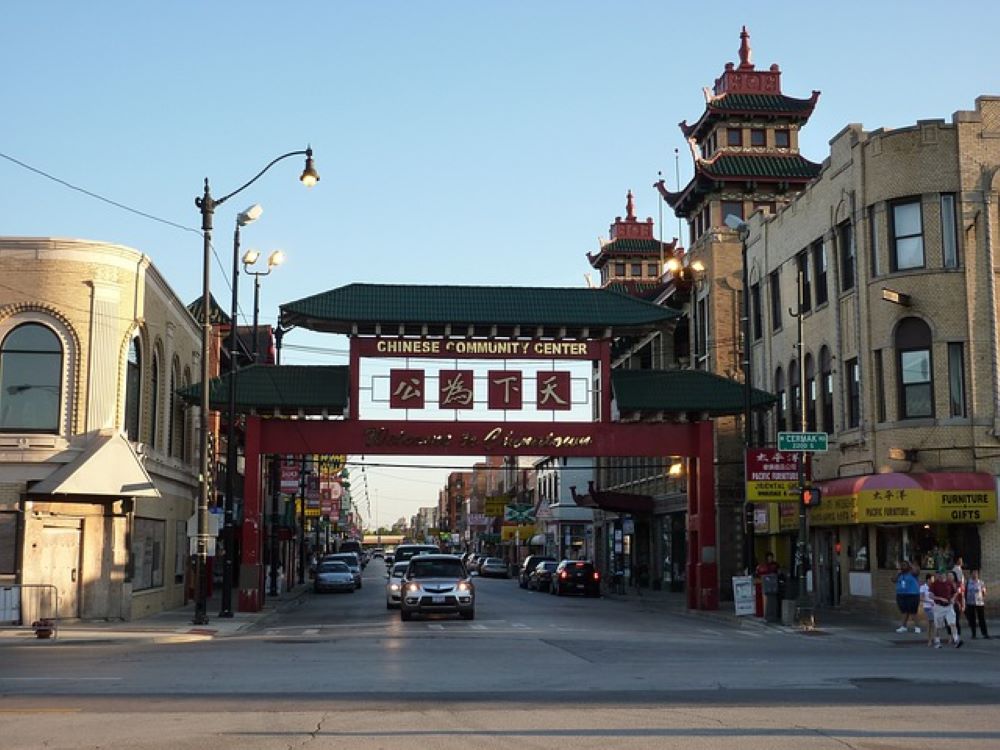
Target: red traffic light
811,496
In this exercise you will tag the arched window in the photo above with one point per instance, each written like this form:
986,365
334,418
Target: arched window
914,367
782,405
133,387
176,426
810,394
31,363
154,403
826,390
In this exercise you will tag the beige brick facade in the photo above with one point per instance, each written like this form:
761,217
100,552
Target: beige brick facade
875,183
126,556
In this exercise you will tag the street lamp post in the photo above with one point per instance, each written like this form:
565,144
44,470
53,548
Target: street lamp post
274,260
207,205
226,610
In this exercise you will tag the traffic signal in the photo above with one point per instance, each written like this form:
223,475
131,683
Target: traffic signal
811,496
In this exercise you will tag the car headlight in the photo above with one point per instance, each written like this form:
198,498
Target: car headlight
412,587
394,587
464,586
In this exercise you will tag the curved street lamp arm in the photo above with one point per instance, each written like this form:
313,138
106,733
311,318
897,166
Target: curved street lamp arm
244,186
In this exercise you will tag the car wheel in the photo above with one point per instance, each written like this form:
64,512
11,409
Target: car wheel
388,605
404,615
470,615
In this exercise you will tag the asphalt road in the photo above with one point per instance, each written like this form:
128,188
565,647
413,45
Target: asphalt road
532,670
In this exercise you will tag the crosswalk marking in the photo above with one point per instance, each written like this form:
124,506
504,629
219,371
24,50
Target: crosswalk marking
311,631
435,626
519,625
478,627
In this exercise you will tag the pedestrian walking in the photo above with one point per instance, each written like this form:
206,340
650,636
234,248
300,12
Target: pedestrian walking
975,603
927,600
907,595
959,600
957,570
944,593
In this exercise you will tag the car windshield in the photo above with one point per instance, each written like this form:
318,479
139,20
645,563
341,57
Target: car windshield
334,567
422,568
399,569
550,566
345,559
493,561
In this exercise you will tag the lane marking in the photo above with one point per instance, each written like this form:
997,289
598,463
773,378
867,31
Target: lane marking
478,627
435,626
311,631
71,679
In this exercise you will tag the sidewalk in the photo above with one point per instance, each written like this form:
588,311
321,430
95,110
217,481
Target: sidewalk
171,626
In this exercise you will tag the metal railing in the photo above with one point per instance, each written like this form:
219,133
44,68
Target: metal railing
27,603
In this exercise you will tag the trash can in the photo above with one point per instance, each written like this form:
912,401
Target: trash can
772,605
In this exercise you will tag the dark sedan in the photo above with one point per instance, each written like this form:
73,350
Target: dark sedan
540,578
576,577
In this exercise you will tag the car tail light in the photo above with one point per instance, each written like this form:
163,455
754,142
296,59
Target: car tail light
562,574
597,576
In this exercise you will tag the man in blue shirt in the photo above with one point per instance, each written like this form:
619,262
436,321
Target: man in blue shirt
907,595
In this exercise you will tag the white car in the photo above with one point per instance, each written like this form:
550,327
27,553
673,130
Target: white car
394,584
333,575
352,562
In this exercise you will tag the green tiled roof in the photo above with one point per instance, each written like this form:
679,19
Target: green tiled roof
682,391
361,307
647,290
770,103
760,166
311,388
216,314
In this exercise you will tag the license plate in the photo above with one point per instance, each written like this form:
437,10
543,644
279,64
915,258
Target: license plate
579,585
437,600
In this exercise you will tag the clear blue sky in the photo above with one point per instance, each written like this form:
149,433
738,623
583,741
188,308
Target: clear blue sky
458,142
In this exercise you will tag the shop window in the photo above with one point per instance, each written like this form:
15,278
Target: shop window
826,389
805,290
31,363
888,546
914,368
133,379
845,242
8,544
853,386
782,138
956,380
874,247
857,548
879,378
818,252
147,553
774,284
949,235
907,236
782,403
755,312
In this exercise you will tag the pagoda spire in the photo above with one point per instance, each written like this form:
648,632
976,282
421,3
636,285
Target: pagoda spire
745,52
629,207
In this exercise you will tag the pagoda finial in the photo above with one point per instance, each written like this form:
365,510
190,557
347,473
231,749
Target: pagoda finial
629,207
745,52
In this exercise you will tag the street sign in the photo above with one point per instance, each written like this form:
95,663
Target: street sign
773,476
807,442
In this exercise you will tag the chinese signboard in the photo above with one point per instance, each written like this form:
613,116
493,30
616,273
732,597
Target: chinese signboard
906,505
772,476
494,506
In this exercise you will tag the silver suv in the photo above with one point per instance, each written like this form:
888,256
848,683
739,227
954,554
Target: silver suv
437,584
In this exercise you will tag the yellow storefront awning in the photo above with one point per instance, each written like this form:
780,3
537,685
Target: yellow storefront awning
108,466
892,497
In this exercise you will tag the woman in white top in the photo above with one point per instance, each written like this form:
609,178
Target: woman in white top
927,602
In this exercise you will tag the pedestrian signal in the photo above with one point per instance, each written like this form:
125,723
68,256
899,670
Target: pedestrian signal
811,496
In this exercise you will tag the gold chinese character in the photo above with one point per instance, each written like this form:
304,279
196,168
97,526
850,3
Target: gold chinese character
408,389
455,392
549,392
508,384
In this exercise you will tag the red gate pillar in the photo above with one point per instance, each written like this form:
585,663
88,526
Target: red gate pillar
251,570
702,557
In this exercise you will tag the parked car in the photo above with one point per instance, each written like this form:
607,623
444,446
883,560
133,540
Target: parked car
494,567
541,577
394,584
352,562
389,558
437,584
529,564
576,577
333,575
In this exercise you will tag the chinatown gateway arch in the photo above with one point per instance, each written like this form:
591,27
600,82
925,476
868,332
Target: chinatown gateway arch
482,371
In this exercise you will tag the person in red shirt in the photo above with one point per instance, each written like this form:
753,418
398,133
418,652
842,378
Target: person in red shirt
768,567
944,592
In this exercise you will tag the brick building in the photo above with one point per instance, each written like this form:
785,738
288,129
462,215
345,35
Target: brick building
98,462
893,249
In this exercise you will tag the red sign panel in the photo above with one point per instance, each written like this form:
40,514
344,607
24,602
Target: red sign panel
553,391
455,389
772,476
406,389
504,390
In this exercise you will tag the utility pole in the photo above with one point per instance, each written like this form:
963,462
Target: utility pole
802,547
